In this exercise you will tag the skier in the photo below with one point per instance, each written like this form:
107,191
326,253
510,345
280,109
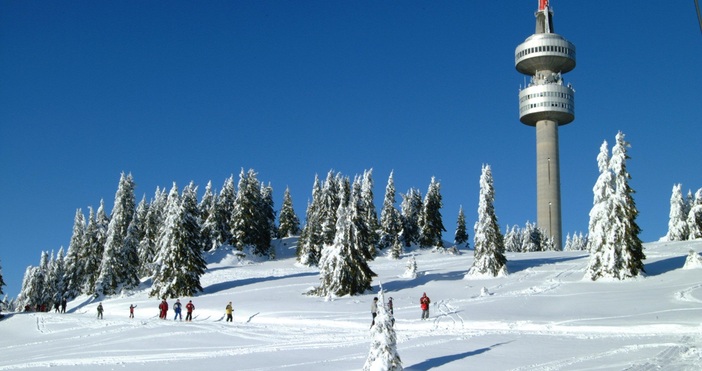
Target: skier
189,308
57,307
164,309
424,304
229,311
131,310
63,305
99,309
374,310
176,309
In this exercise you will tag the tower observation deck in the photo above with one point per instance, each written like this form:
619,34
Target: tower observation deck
546,103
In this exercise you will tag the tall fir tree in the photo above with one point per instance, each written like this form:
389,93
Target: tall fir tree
431,223
226,202
460,237
288,222
2,281
383,353
625,209
75,274
677,223
329,205
152,227
266,228
390,220
694,217
342,268
309,246
489,258
364,236
411,210
208,223
604,256
95,245
180,262
114,268
57,277
370,215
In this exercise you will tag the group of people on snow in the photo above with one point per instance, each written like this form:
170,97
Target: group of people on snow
59,307
424,302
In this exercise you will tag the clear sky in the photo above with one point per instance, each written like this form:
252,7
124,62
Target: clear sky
174,91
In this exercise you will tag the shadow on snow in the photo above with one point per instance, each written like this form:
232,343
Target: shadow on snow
443,360
514,266
664,266
217,287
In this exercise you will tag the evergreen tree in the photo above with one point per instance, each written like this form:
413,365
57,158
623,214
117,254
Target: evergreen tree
460,238
2,281
489,258
329,205
531,238
180,262
95,246
411,268
252,216
383,349
225,212
626,212
130,250
152,226
309,246
604,256
75,274
677,223
431,224
694,217
289,223
370,215
114,267
513,239
56,280
28,292
390,220
208,224
364,236
266,226
342,268
411,210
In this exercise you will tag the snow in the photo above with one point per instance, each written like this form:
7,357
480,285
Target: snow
543,315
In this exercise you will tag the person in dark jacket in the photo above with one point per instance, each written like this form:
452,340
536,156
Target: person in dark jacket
189,309
99,310
176,309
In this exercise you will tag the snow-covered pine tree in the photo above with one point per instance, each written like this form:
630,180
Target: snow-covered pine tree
328,206
2,281
383,348
179,260
43,292
288,222
364,236
430,222
342,268
371,215
266,229
513,239
677,222
74,273
605,258
410,210
226,202
531,238
632,251
206,207
57,273
28,292
694,217
390,221
114,266
130,251
152,226
309,246
489,258
460,237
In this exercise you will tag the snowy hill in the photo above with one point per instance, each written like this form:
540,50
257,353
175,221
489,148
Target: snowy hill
541,316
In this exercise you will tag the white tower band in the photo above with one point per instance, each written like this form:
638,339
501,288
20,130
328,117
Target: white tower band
546,103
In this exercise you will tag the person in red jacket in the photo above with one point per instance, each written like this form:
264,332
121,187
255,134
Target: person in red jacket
424,304
163,307
189,308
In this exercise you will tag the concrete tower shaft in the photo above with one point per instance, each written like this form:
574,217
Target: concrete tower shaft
546,103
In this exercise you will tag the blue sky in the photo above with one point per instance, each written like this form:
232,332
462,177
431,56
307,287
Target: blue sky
178,91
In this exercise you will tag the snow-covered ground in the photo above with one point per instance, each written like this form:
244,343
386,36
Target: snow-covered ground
542,316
